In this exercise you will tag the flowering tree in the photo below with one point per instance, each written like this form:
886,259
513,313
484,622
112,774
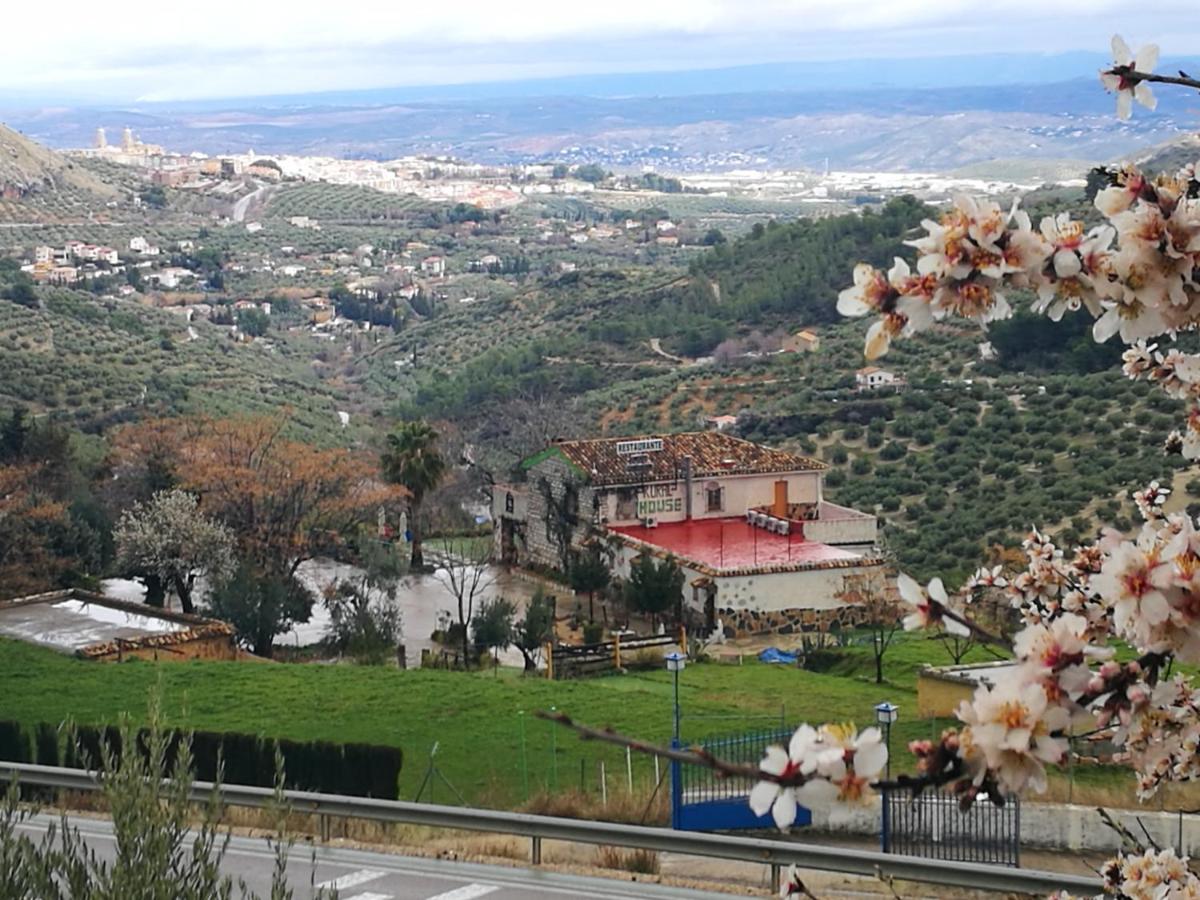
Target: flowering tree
169,542
1138,276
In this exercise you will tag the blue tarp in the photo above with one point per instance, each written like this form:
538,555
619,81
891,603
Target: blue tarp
775,655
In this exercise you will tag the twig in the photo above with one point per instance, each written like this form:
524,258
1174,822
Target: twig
1133,76
949,769
696,756
979,632
1126,835
1153,842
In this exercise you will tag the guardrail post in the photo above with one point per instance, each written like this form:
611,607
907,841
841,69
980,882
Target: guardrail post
323,824
535,851
775,876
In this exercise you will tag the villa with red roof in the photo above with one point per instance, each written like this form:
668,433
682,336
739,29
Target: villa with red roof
761,548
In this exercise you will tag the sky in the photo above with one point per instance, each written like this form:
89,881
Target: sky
130,52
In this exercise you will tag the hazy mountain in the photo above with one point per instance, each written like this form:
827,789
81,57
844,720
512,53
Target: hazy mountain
949,113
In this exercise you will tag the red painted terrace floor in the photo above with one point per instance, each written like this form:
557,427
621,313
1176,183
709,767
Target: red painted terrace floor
732,544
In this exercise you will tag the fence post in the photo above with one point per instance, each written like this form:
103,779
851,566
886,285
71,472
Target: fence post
629,776
617,650
676,788
603,785
884,842
550,659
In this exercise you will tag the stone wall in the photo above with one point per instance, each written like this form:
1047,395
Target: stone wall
560,477
745,622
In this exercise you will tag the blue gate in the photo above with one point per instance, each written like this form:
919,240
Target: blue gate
702,801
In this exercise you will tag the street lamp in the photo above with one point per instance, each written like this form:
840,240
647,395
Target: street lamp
886,714
676,662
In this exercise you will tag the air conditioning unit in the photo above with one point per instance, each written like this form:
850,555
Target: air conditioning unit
649,523
785,527
776,526
750,514
760,519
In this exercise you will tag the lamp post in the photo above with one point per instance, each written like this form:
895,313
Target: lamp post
886,714
676,662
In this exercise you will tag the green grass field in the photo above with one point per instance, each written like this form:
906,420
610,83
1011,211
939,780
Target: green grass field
476,718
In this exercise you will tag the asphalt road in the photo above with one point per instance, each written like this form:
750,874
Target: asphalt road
361,875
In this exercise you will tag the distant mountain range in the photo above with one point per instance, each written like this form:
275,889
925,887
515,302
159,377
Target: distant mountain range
849,114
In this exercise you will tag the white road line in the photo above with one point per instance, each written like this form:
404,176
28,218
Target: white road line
354,879
370,897
467,892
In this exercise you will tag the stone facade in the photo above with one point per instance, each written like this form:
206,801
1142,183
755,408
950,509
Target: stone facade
559,507
741,623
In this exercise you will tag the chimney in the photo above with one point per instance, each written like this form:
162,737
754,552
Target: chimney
780,508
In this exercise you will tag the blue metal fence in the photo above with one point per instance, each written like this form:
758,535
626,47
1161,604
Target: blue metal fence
932,825
703,801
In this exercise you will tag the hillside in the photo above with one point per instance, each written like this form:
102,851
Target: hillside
28,169
1170,156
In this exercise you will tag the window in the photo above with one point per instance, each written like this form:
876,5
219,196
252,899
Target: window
509,504
715,497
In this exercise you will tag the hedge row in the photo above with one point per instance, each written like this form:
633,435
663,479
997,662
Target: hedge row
360,770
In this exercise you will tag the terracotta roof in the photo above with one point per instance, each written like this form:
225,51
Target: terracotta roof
606,461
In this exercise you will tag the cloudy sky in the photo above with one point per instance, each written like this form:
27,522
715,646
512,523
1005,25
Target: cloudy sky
231,48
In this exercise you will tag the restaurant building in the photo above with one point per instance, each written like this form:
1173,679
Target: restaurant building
761,548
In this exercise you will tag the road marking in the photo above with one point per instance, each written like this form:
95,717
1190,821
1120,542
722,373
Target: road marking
370,897
467,892
354,879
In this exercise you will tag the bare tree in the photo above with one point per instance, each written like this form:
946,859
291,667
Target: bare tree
880,612
464,570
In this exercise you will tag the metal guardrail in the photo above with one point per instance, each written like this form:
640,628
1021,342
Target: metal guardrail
774,853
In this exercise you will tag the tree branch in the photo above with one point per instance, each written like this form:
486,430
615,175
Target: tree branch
696,756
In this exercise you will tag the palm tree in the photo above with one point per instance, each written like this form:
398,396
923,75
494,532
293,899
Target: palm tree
412,460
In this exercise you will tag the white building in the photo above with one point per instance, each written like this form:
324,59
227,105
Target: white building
434,265
761,548
873,378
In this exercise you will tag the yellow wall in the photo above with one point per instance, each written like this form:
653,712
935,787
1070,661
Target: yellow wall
938,695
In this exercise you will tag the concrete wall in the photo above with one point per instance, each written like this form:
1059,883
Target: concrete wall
779,592
1050,826
939,696
667,501
841,525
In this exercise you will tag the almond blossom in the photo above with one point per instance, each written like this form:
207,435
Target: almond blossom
797,760
928,605
847,763
1012,728
1122,77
